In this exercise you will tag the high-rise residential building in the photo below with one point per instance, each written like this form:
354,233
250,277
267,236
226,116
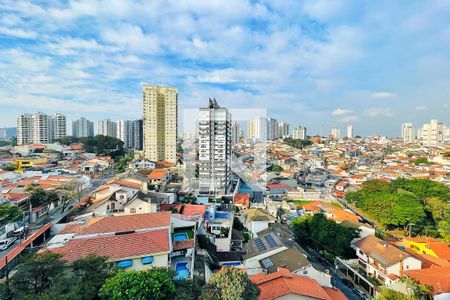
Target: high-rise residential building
250,129
40,128
283,130
107,127
235,133
260,127
434,134
130,132
349,131
272,129
24,129
408,133
335,133
82,128
57,126
160,122
214,149
299,133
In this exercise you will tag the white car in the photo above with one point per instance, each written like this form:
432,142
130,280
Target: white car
6,243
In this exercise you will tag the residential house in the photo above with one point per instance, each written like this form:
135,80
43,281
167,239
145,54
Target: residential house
159,178
283,284
131,242
380,259
428,246
257,219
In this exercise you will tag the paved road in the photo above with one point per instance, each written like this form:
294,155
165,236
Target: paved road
321,264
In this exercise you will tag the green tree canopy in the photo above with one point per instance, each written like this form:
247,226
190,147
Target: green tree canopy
10,213
295,143
325,234
38,274
230,284
402,202
153,284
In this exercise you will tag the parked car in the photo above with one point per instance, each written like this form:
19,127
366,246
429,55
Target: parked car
21,230
6,243
348,283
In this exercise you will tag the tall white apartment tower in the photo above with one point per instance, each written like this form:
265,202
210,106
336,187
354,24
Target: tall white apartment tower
214,149
349,131
82,128
434,134
107,127
57,125
408,133
335,133
24,129
272,129
160,122
299,133
283,130
40,128
260,128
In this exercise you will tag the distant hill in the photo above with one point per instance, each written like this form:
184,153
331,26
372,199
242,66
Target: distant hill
11,131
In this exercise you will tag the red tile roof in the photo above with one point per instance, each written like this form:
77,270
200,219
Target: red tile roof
116,247
272,186
184,244
283,282
126,183
157,174
242,199
168,207
438,278
193,209
125,223
15,196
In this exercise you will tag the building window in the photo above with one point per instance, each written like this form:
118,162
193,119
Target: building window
132,210
147,260
124,263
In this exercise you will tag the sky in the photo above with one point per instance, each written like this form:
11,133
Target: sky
371,64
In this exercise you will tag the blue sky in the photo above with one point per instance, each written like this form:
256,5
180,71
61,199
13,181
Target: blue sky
372,64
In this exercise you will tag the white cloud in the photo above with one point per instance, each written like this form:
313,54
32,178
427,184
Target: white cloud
382,95
341,111
348,119
378,112
19,33
422,108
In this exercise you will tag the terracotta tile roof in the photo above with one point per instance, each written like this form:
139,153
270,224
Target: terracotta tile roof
185,244
157,174
71,228
116,247
438,278
441,249
15,196
193,209
242,199
166,163
126,183
124,223
283,282
168,207
381,251
272,186
340,215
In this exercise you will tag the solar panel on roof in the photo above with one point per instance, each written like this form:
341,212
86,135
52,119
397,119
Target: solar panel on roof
271,241
259,245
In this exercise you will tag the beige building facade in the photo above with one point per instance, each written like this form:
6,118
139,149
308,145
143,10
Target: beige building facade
160,122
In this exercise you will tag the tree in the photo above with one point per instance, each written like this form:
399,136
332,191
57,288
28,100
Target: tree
38,274
421,160
10,213
153,284
299,144
230,284
90,273
121,165
325,234
37,196
388,294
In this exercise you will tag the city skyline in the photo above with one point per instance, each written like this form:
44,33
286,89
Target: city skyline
329,67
